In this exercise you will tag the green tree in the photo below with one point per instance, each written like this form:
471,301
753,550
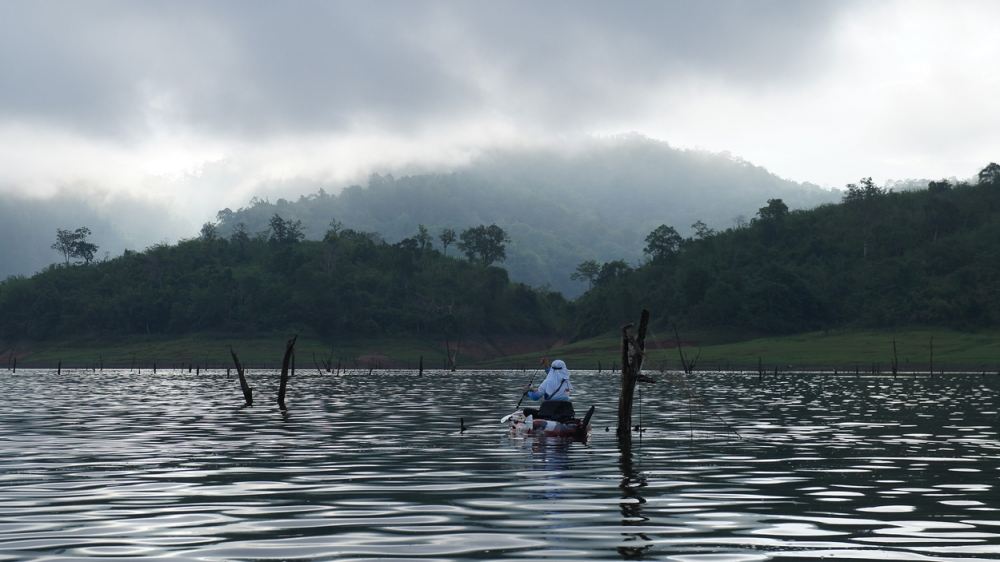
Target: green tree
662,242
209,232
485,244
612,270
990,175
333,230
85,250
285,231
240,237
701,230
775,211
938,186
447,238
74,244
587,271
864,190
423,238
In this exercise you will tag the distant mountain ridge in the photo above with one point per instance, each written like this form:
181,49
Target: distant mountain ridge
560,207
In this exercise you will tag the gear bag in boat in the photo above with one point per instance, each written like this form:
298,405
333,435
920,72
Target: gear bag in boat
555,410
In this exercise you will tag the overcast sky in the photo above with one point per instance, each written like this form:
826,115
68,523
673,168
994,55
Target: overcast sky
198,104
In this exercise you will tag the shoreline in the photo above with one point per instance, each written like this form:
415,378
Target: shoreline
844,352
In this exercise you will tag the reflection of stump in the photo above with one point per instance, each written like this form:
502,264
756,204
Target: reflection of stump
636,544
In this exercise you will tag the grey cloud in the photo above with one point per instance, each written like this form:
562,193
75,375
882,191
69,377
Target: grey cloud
241,67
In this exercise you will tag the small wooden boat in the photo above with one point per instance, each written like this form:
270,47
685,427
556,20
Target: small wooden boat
574,429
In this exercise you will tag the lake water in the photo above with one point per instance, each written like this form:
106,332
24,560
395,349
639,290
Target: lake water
374,467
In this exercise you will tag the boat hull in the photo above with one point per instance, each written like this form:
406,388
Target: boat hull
575,428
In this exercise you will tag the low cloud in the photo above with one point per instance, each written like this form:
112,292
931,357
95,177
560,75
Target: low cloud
197,106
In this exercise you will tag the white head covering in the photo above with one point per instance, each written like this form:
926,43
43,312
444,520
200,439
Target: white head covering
560,372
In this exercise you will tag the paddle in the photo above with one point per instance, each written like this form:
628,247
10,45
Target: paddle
525,393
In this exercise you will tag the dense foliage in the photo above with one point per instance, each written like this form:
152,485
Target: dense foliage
878,259
558,207
349,283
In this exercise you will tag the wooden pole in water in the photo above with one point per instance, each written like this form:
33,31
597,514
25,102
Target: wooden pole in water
633,350
421,373
930,369
895,358
247,391
59,368
154,366
15,364
283,384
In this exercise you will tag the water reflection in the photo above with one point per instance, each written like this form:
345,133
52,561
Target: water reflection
636,544
169,465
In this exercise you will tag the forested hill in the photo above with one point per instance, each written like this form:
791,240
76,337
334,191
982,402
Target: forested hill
560,207
878,259
348,284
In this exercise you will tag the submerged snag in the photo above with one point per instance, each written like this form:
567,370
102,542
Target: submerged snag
686,364
452,354
895,358
247,391
283,385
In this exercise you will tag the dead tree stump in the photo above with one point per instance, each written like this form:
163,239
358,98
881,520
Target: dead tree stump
283,385
247,391
633,351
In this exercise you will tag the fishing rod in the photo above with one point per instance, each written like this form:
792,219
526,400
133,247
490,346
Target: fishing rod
525,393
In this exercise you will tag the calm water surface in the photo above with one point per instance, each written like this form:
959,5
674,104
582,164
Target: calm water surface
361,467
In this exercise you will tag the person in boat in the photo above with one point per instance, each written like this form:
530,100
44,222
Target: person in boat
554,393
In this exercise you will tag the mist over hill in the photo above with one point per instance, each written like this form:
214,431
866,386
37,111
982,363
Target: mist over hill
28,227
597,200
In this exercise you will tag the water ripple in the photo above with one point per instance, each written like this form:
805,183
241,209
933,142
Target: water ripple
728,467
